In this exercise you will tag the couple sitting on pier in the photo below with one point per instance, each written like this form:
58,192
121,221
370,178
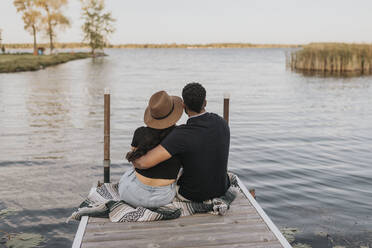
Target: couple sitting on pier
149,191
159,150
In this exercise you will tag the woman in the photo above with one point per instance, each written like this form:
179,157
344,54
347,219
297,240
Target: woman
153,187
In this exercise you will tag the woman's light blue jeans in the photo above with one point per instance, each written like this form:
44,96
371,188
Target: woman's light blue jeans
137,194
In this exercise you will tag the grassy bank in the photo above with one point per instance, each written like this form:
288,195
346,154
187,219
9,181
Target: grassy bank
171,45
29,62
333,58
45,45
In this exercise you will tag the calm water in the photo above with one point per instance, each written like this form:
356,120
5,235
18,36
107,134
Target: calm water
304,143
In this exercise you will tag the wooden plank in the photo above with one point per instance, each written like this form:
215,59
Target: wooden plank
107,231
270,244
116,244
264,216
197,240
80,232
206,234
241,201
262,234
274,244
169,224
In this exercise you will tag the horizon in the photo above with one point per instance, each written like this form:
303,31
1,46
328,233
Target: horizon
193,22
165,43
202,44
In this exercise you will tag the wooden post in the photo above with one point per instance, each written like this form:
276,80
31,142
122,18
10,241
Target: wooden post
106,146
226,106
253,193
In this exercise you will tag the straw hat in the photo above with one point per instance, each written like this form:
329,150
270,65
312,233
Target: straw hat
163,110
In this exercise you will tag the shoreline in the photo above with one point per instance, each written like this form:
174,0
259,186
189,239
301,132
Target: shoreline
153,45
10,63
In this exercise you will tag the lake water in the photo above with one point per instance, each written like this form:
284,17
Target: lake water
304,143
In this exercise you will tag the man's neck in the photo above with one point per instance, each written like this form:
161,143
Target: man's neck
195,114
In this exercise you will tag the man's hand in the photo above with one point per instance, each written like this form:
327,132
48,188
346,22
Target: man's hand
152,158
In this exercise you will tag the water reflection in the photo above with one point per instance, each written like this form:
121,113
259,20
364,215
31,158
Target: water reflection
303,142
48,115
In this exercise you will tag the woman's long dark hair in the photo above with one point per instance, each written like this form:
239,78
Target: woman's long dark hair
149,141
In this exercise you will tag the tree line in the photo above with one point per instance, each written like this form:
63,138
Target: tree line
47,16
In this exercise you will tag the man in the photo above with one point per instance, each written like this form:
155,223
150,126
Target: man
202,145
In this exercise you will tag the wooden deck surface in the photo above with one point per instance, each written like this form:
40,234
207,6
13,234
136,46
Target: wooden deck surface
245,225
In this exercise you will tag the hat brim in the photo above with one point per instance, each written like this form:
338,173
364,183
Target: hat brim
170,120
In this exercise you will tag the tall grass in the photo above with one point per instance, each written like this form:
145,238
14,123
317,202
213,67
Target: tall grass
334,58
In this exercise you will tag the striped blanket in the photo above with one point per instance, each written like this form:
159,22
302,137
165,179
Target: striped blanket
104,201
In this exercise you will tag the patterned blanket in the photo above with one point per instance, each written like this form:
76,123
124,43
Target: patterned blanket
104,201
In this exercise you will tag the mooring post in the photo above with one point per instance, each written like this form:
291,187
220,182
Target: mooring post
106,145
226,106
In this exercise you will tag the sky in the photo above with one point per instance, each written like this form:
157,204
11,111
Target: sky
206,21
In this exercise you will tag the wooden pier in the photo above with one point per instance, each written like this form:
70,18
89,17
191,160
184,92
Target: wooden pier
245,225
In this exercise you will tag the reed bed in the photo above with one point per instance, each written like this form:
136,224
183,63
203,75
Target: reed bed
333,58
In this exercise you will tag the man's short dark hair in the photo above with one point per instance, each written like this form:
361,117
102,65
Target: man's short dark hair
193,95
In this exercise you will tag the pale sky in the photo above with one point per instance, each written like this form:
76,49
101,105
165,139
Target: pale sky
205,21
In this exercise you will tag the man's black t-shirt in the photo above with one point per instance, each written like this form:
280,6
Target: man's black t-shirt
203,148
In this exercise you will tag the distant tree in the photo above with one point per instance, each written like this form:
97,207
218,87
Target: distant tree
31,17
54,17
98,25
